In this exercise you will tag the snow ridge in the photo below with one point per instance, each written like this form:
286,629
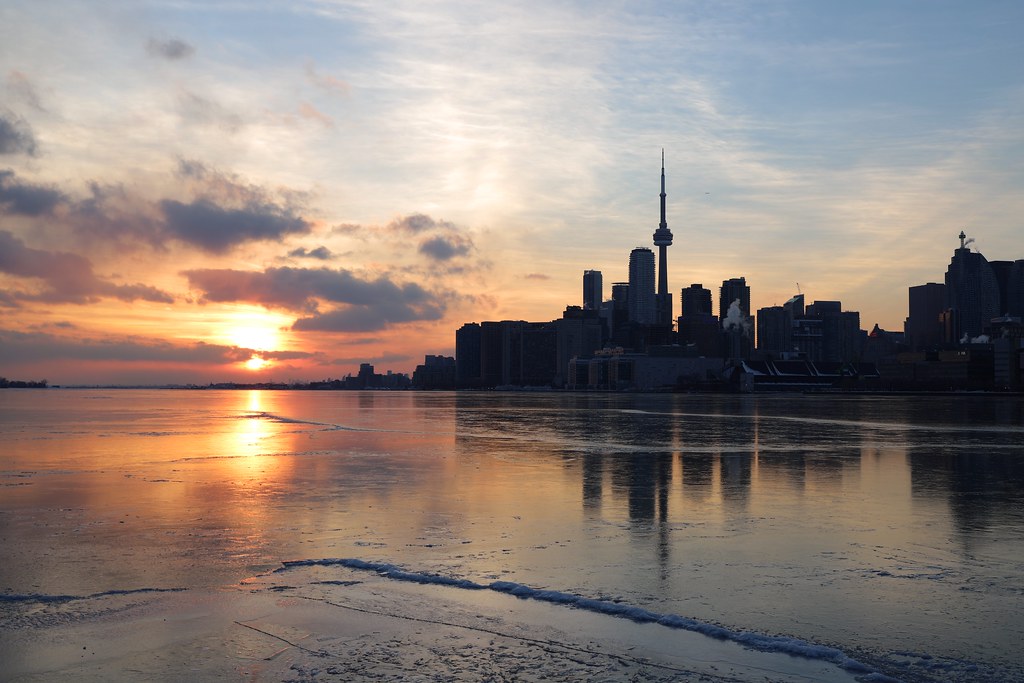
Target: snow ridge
757,641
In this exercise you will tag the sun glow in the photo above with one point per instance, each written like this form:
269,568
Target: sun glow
255,337
256,363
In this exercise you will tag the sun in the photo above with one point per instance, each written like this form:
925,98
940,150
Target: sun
256,363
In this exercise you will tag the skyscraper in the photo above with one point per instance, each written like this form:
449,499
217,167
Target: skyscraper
732,290
663,240
923,327
972,291
593,290
641,286
695,300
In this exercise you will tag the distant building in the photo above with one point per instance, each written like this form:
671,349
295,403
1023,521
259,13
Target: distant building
698,329
436,372
641,286
774,330
734,289
734,314
620,312
467,356
972,291
593,290
826,333
695,300
579,332
924,328
1010,279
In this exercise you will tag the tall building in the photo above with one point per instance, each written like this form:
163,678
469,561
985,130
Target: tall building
641,286
1010,276
924,328
698,328
663,240
972,291
593,290
738,327
774,329
467,355
695,300
732,290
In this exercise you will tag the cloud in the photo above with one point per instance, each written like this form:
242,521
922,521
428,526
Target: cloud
233,190
311,113
368,318
446,247
321,253
367,304
21,88
67,277
327,82
203,111
217,229
418,223
537,276
171,49
15,135
26,199
26,347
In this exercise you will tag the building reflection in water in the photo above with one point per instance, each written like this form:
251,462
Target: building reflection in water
655,461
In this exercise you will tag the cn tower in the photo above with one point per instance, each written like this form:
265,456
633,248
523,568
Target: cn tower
663,240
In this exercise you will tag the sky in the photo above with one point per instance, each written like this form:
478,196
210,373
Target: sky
195,192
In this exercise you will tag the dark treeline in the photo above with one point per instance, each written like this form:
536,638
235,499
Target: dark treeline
21,384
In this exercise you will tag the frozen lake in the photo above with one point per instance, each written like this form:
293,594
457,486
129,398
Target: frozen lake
883,531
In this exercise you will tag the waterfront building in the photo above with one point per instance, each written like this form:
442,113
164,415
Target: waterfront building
972,291
641,286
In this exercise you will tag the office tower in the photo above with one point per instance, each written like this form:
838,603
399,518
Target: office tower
641,286
923,327
593,290
695,300
734,289
972,291
1010,276
467,355
697,327
774,329
620,312
663,240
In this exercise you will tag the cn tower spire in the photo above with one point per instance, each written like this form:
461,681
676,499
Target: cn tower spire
662,240
663,225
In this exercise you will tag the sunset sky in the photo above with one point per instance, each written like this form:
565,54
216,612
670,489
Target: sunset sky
200,192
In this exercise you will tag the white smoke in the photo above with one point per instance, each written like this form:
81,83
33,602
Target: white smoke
980,339
735,318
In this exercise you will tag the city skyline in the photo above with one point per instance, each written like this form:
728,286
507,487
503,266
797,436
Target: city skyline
209,193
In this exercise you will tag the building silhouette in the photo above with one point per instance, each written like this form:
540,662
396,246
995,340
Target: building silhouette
972,292
593,290
642,308
467,356
733,289
697,328
774,330
923,328
737,325
663,240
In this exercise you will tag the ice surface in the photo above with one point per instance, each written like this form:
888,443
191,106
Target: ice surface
888,530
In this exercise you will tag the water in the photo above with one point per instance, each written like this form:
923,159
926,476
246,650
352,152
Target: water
889,528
